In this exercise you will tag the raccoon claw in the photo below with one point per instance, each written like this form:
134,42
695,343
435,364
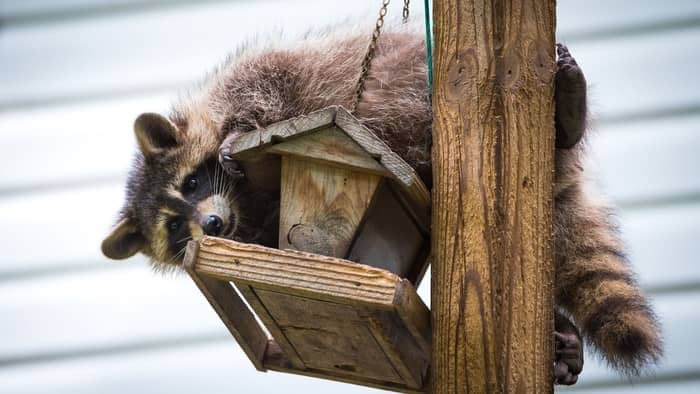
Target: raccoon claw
231,166
568,358
570,99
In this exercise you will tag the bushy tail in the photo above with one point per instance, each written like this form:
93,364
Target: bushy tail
596,285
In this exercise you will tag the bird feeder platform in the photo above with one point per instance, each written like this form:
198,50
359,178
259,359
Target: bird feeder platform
338,296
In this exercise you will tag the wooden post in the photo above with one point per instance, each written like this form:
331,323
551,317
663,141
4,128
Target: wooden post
492,212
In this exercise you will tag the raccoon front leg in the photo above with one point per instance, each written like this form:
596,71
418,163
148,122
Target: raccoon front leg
568,350
569,99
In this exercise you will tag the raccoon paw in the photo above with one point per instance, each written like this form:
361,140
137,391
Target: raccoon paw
568,357
232,167
570,99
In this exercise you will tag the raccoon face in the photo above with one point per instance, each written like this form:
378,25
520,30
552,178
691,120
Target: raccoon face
176,192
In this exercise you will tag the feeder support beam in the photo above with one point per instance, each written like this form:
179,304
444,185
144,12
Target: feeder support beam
493,160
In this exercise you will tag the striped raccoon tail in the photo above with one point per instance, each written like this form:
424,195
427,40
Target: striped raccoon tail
596,285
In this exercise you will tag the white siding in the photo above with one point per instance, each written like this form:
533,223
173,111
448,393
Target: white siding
75,73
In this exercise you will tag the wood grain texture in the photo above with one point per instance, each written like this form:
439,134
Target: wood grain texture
389,239
492,214
247,145
328,317
332,147
252,146
326,277
291,355
329,337
322,206
234,313
405,176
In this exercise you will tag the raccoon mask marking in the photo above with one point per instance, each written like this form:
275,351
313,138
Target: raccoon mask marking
176,192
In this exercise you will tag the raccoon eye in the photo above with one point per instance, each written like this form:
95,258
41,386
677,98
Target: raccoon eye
174,224
191,183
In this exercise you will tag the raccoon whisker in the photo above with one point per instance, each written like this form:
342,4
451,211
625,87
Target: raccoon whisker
177,256
211,186
219,178
216,175
189,237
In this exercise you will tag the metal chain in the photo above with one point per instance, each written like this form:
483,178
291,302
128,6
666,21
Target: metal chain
367,61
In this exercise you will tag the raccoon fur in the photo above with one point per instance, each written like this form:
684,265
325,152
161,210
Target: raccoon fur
179,190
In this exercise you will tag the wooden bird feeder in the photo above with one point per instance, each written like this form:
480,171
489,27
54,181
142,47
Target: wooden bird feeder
338,297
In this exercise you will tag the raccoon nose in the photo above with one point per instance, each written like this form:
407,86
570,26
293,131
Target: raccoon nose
213,225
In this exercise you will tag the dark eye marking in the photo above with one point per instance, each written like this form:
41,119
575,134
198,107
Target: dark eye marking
174,224
190,184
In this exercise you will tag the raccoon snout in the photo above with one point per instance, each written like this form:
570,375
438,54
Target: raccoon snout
213,225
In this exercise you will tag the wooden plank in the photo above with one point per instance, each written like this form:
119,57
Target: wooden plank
403,173
321,207
290,353
248,145
329,147
330,318
388,238
493,160
406,356
231,309
415,315
326,277
328,336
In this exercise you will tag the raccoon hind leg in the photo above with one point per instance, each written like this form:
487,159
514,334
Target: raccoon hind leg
568,350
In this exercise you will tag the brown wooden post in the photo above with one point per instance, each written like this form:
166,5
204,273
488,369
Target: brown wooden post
492,201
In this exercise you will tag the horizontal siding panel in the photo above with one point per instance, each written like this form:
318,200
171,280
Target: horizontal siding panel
152,50
681,387
573,16
677,313
213,368
57,229
647,160
94,310
75,323
620,72
633,162
663,244
149,50
72,144
14,11
118,308
585,18
71,224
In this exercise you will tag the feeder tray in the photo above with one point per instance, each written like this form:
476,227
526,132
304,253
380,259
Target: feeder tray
338,296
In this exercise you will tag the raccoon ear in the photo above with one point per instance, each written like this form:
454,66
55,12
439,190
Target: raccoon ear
124,241
154,133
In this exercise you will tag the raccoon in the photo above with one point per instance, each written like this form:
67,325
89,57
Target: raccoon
183,186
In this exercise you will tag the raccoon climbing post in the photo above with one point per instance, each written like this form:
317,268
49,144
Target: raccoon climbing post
493,147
